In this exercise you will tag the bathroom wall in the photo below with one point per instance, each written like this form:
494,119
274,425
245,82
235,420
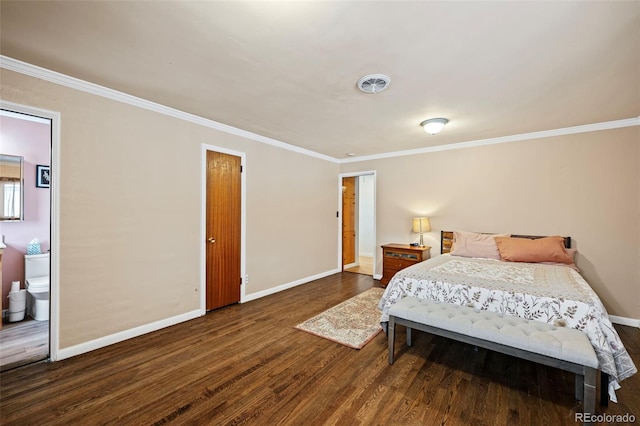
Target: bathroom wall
31,140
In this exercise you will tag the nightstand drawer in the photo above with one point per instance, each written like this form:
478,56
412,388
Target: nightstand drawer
401,255
389,273
398,263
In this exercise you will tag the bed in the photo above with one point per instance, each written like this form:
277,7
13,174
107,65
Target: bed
540,288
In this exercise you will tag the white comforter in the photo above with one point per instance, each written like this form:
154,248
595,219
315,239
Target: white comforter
548,293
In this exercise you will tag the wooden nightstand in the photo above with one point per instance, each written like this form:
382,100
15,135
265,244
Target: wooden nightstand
398,256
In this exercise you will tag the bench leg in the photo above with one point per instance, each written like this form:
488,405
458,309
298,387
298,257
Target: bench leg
604,388
391,337
579,387
409,336
589,393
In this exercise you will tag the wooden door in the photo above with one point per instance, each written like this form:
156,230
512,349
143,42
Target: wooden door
348,220
223,274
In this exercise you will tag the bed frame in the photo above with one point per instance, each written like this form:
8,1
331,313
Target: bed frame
446,240
571,351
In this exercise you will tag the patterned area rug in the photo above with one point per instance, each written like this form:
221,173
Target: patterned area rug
352,323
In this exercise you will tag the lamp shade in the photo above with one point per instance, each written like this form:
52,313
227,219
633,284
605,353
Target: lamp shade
434,125
421,224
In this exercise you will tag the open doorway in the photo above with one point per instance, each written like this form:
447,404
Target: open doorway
26,238
40,220
358,222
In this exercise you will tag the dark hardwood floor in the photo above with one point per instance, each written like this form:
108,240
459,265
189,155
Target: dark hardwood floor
246,364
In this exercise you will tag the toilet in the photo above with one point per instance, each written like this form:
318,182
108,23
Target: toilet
36,279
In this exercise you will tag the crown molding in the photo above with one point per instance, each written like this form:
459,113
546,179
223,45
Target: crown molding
95,89
607,125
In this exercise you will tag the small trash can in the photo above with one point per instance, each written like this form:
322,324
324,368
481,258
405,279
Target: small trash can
17,305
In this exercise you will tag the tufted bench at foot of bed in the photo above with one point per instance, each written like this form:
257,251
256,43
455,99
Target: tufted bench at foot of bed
559,347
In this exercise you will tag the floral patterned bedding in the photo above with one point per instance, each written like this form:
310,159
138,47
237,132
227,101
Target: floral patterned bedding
548,293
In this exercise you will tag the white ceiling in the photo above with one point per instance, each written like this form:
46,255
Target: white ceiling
288,70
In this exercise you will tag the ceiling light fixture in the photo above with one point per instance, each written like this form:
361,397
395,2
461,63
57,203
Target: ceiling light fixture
434,125
374,83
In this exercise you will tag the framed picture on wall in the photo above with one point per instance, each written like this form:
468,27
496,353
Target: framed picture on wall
43,176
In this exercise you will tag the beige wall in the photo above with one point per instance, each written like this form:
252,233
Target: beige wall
586,186
130,211
130,207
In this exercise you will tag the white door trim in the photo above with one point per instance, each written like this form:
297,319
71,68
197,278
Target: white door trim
203,223
54,277
375,191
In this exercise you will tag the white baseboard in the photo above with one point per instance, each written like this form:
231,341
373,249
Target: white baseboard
625,321
124,335
270,291
351,265
154,326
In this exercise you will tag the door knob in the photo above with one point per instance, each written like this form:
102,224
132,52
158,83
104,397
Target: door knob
211,240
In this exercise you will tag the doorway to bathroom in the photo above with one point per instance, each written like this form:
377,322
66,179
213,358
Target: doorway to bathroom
25,334
357,236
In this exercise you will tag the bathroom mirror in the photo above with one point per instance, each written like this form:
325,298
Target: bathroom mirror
11,188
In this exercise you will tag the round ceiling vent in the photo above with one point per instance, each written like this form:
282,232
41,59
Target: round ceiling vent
373,83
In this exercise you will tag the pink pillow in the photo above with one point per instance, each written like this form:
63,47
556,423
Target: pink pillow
472,244
547,249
